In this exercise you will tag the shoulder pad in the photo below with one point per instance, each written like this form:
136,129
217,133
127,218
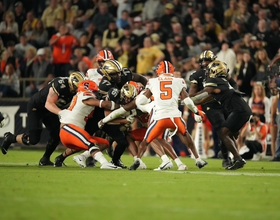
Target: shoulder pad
114,94
126,71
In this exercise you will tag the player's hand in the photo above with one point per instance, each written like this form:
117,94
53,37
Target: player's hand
199,116
130,119
101,124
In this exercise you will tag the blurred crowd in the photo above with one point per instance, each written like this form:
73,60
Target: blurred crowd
44,39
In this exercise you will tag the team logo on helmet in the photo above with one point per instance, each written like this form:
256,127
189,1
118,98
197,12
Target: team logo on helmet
104,55
111,69
74,80
207,55
128,93
88,85
217,68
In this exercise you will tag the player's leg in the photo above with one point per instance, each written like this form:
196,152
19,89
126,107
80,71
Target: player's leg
52,124
32,136
76,138
155,130
169,150
234,122
186,139
118,136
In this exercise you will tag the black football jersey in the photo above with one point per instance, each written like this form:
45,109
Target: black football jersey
61,87
114,95
105,85
198,77
230,98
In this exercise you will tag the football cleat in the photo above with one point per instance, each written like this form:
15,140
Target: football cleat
59,161
164,166
142,165
182,167
109,166
80,160
45,162
9,138
237,164
200,163
135,165
119,163
227,162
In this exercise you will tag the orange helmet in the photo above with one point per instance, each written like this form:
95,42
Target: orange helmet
88,85
165,67
104,55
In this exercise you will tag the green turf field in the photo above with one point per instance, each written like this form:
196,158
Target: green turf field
31,192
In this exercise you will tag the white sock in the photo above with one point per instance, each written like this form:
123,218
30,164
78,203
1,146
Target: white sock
86,154
164,158
135,158
100,158
178,161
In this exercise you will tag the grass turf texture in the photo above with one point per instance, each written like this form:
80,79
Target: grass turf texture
31,192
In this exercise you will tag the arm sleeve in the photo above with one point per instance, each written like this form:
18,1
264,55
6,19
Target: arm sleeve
114,114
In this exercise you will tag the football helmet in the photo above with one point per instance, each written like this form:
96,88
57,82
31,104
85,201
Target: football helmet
128,93
139,86
88,85
74,80
216,69
112,70
205,57
165,67
104,55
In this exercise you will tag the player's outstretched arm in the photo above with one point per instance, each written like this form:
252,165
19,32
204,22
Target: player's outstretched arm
109,105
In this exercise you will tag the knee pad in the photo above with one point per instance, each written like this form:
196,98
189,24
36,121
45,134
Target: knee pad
25,139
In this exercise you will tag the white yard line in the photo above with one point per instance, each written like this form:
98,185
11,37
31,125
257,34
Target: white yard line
229,173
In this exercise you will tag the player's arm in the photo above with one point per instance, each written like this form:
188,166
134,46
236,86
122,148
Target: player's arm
51,101
199,115
118,120
139,78
144,97
193,89
110,105
117,113
141,99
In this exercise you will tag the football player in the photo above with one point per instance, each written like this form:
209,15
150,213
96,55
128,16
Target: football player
237,111
73,122
166,90
212,108
142,115
44,107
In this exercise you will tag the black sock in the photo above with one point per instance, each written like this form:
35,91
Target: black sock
49,150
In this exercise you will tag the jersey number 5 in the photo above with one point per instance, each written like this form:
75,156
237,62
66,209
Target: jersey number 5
165,90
